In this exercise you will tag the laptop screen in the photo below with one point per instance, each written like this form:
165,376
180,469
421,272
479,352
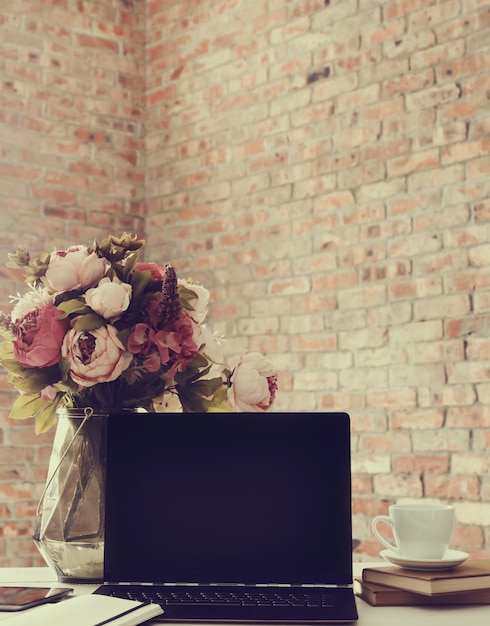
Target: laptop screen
251,498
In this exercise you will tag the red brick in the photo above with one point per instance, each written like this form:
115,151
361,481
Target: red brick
99,43
457,488
402,7
410,464
468,537
369,507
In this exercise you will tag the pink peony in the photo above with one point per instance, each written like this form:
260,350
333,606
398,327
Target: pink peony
73,269
95,357
38,337
253,384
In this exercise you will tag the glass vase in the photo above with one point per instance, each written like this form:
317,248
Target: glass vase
69,525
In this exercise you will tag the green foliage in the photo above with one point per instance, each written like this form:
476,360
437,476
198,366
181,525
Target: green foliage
32,405
33,269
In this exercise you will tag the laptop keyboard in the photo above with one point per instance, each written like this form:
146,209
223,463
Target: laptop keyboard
318,598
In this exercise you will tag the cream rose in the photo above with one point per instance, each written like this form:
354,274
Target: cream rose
74,268
110,298
95,357
199,301
253,384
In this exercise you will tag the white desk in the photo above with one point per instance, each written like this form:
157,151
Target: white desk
368,615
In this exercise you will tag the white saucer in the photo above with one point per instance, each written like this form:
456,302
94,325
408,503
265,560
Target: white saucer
451,559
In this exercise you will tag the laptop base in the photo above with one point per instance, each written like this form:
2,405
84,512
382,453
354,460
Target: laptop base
243,604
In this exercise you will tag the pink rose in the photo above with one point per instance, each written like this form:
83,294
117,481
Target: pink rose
253,384
73,269
157,273
110,298
95,357
38,337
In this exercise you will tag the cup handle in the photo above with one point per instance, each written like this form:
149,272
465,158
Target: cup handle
387,520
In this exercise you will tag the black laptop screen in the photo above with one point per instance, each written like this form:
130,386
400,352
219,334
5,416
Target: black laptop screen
228,497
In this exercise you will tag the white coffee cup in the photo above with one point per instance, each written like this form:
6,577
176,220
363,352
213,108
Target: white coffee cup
421,531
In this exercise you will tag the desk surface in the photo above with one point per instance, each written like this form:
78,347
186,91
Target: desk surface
368,615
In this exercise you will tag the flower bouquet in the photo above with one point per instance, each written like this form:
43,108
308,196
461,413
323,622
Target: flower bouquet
100,328
98,331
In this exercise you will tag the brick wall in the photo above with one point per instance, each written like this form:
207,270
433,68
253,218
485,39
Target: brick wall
324,167
71,169
321,165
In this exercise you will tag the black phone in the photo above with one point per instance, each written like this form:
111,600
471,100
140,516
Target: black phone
19,598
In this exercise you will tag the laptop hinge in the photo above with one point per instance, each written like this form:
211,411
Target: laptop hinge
259,585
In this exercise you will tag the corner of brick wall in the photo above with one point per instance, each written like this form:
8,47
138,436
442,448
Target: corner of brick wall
324,168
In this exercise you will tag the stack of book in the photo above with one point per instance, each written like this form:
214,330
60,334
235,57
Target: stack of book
389,585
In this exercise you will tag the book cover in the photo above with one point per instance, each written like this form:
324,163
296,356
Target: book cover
380,595
87,610
472,575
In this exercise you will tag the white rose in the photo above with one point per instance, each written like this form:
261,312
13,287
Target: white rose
199,302
109,298
73,269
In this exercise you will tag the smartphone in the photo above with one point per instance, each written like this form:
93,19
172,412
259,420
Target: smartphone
19,598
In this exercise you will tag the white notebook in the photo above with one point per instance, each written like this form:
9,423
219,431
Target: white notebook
86,610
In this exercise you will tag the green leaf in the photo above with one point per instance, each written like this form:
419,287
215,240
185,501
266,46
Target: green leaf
25,406
191,402
207,387
140,282
201,395
91,321
220,397
13,366
123,336
199,361
194,370
220,408
73,307
19,259
33,380
6,350
186,295
130,263
64,366
46,418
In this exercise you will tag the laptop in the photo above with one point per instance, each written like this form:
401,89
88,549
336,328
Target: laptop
231,517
